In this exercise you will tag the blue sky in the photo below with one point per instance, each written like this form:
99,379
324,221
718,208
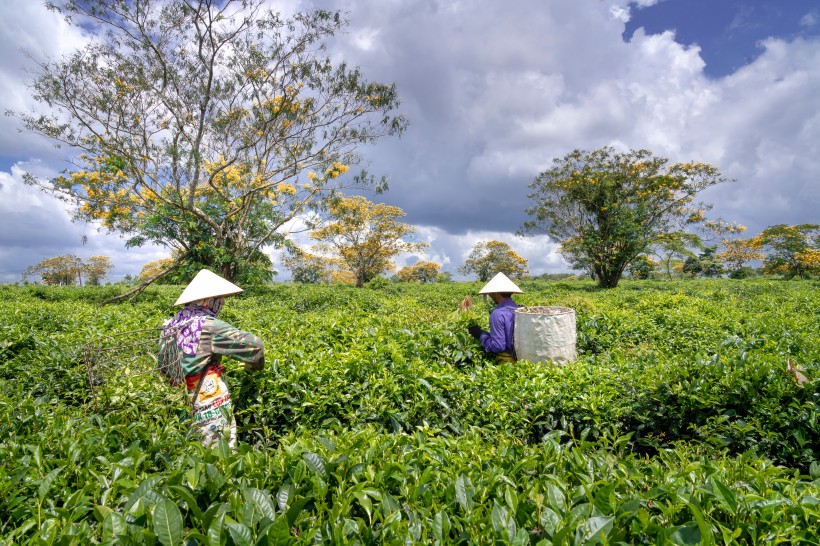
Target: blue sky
728,32
493,92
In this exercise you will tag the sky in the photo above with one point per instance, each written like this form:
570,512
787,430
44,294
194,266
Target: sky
493,93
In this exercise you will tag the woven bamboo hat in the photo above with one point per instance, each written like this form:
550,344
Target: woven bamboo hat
500,284
206,285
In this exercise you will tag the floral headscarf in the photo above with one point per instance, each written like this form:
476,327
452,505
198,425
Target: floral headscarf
188,322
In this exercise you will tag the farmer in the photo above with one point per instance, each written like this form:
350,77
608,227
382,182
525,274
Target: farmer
203,340
499,339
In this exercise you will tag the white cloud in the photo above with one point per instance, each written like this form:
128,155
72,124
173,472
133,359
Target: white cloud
35,226
619,13
451,250
494,93
28,30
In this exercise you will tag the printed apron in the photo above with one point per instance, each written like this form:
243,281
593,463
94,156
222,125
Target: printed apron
213,414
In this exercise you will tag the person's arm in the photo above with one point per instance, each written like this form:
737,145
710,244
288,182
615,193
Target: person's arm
232,342
495,341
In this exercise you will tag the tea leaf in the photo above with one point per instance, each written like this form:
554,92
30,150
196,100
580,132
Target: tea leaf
167,523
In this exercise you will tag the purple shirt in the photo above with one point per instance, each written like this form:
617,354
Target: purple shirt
502,320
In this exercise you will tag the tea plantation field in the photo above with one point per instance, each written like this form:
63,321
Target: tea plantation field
379,420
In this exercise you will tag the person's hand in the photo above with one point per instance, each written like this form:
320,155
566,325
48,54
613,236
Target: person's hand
255,366
475,331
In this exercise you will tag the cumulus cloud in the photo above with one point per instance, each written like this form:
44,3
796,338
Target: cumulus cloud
494,93
28,34
811,19
35,226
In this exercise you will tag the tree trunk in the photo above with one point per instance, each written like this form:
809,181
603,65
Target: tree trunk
609,278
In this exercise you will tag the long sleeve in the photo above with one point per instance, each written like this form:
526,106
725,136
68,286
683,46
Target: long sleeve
223,339
500,337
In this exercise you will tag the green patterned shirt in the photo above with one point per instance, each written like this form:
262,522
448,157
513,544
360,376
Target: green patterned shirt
221,339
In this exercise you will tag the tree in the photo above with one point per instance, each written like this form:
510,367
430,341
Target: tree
364,237
69,269
642,266
676,246
606,207
486,259
738,252
57,271
422,271
793,251
306,268
157,267
342,276
206,126
96,268
706,263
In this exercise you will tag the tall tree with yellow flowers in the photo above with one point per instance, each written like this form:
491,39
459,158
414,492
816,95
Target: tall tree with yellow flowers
64,270
422,271
364,237
69,270
793,251
96,268
206,126
606,208
487,258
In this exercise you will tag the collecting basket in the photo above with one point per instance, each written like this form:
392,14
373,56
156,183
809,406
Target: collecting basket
545,334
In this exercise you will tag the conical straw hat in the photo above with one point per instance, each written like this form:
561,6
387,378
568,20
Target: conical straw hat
206,285
500,284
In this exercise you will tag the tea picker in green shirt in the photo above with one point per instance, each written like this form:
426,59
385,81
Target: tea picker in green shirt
203,340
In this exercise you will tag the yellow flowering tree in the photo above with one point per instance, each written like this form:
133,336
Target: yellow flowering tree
793,251
59,271
159,271
422,271
306,268
487,258
364,237
606,208
96,268
737,253
206,126
69,270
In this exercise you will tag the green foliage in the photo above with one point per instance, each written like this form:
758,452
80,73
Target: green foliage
487,258
742,273
641,267
606,207
206,127
380,420
304,267
793,251
704,264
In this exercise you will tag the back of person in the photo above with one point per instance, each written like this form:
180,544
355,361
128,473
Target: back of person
499,340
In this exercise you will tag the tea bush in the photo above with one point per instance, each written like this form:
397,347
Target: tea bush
380,420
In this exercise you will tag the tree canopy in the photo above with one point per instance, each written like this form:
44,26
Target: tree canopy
96,268
68,270
487,258
793,251
606,207
364,237
306,268
737,253
206,126
422,271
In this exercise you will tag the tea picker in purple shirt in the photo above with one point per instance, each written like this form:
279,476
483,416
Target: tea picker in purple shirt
499,339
